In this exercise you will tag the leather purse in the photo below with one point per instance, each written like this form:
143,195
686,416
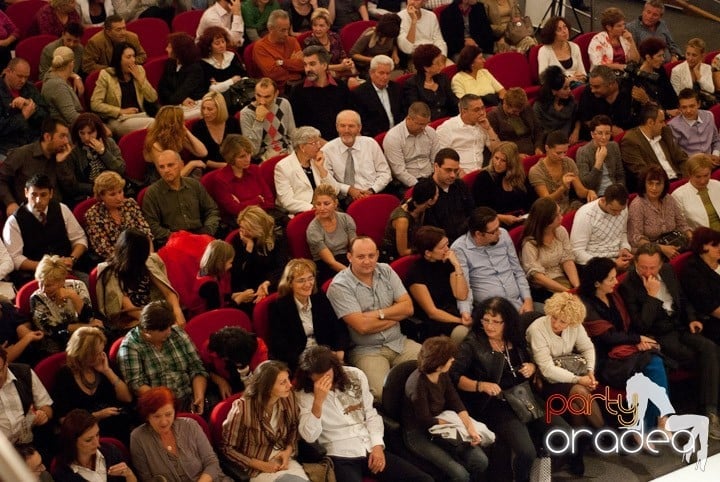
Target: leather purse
574,363
518,27
522,400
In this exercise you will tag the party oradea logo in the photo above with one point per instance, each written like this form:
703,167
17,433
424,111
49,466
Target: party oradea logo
685,434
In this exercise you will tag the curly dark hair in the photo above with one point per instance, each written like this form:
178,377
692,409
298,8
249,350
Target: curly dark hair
547,32
183,48
595,271
315,360
552,78
424,55
208,37
496,305
87,119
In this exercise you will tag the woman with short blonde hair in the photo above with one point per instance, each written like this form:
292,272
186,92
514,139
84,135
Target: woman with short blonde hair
61,97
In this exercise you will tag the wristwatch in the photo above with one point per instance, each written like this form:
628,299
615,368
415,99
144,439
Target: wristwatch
381,315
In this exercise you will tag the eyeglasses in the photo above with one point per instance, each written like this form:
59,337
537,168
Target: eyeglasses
487,321
302,281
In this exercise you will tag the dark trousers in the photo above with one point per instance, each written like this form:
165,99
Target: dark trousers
396,470
461,463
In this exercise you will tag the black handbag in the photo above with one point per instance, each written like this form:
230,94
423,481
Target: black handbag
574,363
523,402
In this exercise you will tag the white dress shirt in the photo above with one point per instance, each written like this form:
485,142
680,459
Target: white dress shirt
427,31
660,154
688,198
218,16
468,140
12,416
410,157
371,167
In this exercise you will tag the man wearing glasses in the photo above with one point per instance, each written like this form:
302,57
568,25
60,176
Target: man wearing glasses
490,263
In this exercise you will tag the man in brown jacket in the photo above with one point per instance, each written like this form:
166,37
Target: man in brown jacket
99,49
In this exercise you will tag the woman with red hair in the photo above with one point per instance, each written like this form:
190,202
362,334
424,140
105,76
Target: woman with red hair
165,446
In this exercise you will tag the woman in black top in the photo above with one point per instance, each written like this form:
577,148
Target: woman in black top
221,67
429,84
652,77
701,281
182,79
214,125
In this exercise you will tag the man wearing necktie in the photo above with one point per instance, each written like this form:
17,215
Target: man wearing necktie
379,102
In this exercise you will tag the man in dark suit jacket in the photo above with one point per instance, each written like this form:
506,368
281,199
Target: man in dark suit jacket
659,309
637,148
367,102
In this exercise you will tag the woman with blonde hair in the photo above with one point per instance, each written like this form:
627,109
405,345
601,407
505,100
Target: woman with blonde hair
214,125
62,100
169,132
212,282
503,185
693,73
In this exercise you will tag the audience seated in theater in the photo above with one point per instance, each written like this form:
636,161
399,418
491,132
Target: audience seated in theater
473,78
650,25
63,103
469,133
79,459
183,80
559,51
22,392
436,283
555,108
22,108
659,309
259,258
556,174
354,444
302,316
255,14
41,226
158,352
329,234
405,219
221,67
87,381
238,184
455,203
340,64
651,143
277,54
112,214
378,101
174,203
225,14
318,100
600,229
547,256
429,84
694,129
598,162
463,23
693,73
297,175
268,122
614,45
410,147
94,152
699,199
213,280
52,17
169,132
419,27
214,125
653,82
655,217
264,450
380,39
356,162
608,95
701,281
94,12
70,38
131,278
99,48
46,156
190,455
515,121
503,186
490,264
9,35
121,91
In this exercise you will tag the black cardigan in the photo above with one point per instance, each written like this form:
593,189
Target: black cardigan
453,28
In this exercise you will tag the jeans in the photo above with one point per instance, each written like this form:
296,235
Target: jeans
396,470
655,371
465,464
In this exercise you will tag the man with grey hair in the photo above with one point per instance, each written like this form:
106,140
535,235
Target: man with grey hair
278,54
356,162
469,133
297,176
410,147
379,102
650,24
268,121
225,14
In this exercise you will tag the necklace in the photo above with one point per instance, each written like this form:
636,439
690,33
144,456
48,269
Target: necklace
88,384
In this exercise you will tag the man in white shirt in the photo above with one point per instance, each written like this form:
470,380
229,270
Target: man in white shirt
411,146
417,27
380,101
469,133
600,229
356,162
225,14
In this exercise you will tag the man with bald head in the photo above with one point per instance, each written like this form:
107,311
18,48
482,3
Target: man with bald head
356,162
174,203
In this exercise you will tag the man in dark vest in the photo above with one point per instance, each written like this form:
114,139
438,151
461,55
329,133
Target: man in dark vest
41,226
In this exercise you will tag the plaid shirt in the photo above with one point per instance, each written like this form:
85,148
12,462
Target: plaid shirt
173,366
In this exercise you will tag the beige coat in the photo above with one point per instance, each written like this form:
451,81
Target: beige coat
107,97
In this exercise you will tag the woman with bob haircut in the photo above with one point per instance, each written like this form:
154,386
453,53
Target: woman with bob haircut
493,357
700,279
436,283
169,448
214,125
182,81
87,381
547,256
558,50
515,121
260,432
336,409
429,392
473,78
302,316
614,46
429,84
212,283
221,66
83,457
112,214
